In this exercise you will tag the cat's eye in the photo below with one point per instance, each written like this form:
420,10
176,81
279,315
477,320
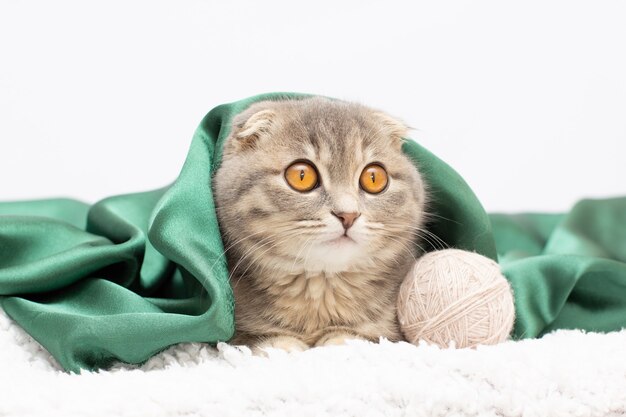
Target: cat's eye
301,176
373,179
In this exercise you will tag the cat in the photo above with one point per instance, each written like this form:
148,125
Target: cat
320,213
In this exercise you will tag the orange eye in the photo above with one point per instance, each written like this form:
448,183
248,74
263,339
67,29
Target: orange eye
373,179
301,176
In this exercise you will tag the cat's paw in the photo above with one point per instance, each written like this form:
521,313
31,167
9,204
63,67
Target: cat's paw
286,343
336,338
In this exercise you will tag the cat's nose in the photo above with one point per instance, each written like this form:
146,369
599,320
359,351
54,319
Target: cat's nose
347,219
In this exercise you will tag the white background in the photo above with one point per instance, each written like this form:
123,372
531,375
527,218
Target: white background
527,100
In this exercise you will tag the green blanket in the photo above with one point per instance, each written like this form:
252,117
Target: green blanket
133,274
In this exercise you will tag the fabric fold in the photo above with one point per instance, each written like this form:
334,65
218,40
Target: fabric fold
567,271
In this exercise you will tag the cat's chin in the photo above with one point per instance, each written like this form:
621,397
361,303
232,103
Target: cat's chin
335,255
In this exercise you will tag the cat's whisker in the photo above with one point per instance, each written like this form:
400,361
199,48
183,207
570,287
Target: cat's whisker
299,251
232,272
441,242
250,249
252,262
287,234
427,232
436,245
432,240
402,226
274,243
306,258
223,254
254,234
393,237
405,246
265,241
428,215
265,266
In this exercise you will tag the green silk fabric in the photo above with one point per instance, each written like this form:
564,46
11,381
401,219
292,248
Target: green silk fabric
133,274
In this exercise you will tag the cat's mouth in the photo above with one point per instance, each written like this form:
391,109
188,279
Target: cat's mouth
341,240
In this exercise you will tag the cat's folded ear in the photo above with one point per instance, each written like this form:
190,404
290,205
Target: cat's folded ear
392,127
252,125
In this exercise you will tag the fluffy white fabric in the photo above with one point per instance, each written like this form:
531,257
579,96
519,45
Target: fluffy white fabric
567,373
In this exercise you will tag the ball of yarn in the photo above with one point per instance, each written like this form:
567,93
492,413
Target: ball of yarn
455,295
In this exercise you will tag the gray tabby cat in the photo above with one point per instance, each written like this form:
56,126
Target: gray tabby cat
320,213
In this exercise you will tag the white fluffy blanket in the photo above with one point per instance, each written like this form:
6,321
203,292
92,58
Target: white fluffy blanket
567,373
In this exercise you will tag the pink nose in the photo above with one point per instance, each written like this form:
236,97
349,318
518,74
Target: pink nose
347,219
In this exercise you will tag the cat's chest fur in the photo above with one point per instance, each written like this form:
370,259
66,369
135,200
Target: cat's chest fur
317,300
310,303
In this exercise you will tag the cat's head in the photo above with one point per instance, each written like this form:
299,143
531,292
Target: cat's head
317,185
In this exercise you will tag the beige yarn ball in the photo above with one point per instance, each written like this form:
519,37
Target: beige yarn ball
455,295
